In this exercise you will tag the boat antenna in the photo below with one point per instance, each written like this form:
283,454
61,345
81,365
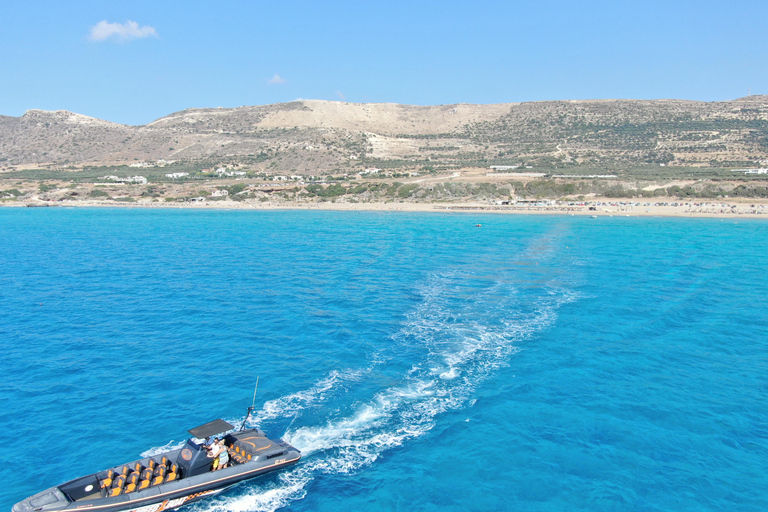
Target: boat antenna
250,409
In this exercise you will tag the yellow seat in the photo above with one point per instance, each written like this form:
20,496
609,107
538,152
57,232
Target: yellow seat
146,479
238,455
159,475
131,482
117,486
173,473
107,482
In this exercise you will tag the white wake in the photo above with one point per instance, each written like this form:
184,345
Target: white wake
459,336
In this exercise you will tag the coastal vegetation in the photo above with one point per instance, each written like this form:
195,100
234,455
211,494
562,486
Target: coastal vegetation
357,190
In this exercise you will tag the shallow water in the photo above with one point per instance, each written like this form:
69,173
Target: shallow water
419,362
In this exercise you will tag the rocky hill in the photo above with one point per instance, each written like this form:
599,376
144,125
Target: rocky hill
319,136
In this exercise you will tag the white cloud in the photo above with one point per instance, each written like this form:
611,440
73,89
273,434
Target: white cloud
341,96
277,79
127,31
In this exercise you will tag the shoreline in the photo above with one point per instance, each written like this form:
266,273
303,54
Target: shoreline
757,210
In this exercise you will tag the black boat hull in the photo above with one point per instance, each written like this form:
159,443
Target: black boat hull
172,499
258,456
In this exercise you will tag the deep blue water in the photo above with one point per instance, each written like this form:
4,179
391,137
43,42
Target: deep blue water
419,362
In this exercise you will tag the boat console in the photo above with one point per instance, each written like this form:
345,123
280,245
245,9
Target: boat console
193,459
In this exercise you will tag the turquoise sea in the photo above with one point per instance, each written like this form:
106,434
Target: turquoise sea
542,363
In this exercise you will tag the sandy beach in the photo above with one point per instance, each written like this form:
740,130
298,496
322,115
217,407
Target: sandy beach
670,208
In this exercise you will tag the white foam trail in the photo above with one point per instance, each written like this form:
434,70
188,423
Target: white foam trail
445,381
171,445
290,405
290,487
462,337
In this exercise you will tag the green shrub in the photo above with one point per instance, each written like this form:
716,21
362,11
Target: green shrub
334,190
234,189
407,190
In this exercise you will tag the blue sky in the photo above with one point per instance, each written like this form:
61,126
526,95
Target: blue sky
133,62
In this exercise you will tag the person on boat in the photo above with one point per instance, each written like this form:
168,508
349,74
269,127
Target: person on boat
223,455
214,453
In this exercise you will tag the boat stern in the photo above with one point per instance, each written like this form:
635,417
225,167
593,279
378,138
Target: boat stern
50,499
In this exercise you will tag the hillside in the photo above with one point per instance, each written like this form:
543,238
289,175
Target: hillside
313,137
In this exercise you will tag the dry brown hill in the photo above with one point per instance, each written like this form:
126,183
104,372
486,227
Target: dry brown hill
314,136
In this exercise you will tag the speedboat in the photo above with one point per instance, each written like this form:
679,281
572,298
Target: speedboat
167,481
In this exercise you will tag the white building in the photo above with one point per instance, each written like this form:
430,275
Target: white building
159,163
221,171
141,180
